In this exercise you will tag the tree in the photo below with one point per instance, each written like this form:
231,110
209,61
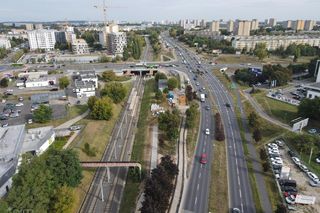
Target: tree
4,82
257,135
189,93
172,83
64,166
160,75
261,51
169,122
116,91
62,200
102,109
104,59
43,114
91,102
64,82
191,114
108,76
159,95
254,120
263,155
309,108
3,53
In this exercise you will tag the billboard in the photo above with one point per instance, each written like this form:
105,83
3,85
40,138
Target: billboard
299,124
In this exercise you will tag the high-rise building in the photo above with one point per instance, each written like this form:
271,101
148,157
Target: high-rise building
29,27
203,23
287,24
103,35
5,43
299,25
117,41
60,36
242,28
254,24
309,24
230,26
215,26
38,26
272,22
41,39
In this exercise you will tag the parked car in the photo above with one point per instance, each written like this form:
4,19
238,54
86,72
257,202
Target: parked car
296,160
203,158
292,154
236,210
207,107
312,131
288,189
291,199
228,105
30,121
280,143
5,125
19,104
292,183
314,183
20,99
318,160
74,128
312,176
303,168
272,145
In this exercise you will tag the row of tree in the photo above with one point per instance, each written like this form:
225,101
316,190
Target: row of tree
169,123
44,183
219,130
297,50
255,124
159,187
192,113
3,52
310,108
134,48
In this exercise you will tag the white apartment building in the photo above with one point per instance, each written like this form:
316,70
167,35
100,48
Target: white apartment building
80,46
254,24
5,43
117,42
274,42
103,35
230,26
215,26
41,39
309,24
242,28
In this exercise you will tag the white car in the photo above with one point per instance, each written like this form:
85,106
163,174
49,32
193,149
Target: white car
207,132
275,158
280,143
272,145
318,160
314,183
312,176
291,199
312,131
19,104
303,168
296,160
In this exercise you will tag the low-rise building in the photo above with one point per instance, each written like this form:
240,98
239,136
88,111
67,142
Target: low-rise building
80,46
85,83
313,90
40,82
274,42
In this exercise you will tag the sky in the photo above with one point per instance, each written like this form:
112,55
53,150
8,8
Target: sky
157,10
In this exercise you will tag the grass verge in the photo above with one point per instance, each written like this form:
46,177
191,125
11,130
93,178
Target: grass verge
132,187
218,184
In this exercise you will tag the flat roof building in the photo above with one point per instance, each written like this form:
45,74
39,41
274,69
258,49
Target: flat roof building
41,39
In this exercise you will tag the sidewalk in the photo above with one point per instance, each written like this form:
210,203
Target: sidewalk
69,123
154,148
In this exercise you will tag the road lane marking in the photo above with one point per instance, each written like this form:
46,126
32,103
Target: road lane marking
198,187
200,175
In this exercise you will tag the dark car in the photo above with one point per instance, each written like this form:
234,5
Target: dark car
292,183
54,89
228,105
292,154
288,189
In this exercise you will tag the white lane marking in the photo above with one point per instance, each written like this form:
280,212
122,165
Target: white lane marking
198,187
242,207
240,194
200,175
195,202
204,149
239,180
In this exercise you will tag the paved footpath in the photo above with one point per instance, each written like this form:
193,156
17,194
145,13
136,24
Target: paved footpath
69,123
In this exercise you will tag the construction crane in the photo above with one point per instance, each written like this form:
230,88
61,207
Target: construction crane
104,8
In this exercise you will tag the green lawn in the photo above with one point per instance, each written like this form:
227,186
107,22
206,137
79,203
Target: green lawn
59,142
282,111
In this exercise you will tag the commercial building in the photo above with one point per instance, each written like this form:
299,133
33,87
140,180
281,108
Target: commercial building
11,141
313,90
309,25
41,39
215,26
117,42
274,42
242,28
80,46
40,82
5,43
38,140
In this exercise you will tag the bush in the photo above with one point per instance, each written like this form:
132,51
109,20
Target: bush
102,109
64,82
4,82
172,83
88,150
43,114
266,166
116,91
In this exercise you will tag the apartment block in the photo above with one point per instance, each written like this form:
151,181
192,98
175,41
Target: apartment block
299,25
254,24
230,26
272,22
5,43
287,24
215,26
274,42
242,28
80,46
309,24
117,42
41,39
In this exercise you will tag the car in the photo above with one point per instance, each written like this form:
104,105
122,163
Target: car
296,160
292,154
288,189
20,99
207,131
14,115
284,182
314,183
287,194
236,210
207,107
318,160
312,176
312,131
30,121
74,128
197,83
203,158
272,145
228,105
280,143
275,159
291,199
19,104
54,89
304,168
5,124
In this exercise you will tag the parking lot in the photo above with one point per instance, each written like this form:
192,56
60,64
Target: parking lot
14,111
297,172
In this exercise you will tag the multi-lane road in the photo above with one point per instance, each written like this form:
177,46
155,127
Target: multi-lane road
240,194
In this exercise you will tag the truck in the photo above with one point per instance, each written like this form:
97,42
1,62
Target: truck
202,97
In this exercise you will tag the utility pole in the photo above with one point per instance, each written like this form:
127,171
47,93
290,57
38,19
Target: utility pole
310,155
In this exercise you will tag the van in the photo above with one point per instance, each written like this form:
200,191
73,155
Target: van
292,183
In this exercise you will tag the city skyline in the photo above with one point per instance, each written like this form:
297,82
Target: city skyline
152,10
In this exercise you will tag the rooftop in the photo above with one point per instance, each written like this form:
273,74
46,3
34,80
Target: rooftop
314,86
35,138
84,84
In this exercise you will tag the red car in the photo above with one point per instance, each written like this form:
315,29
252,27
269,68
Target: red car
203,159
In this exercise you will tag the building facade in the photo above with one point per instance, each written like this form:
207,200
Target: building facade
80,47
41,39
215,26
272,22
254,24
309,24
117,42
242,28
5,43
274,42
230,26
299,25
